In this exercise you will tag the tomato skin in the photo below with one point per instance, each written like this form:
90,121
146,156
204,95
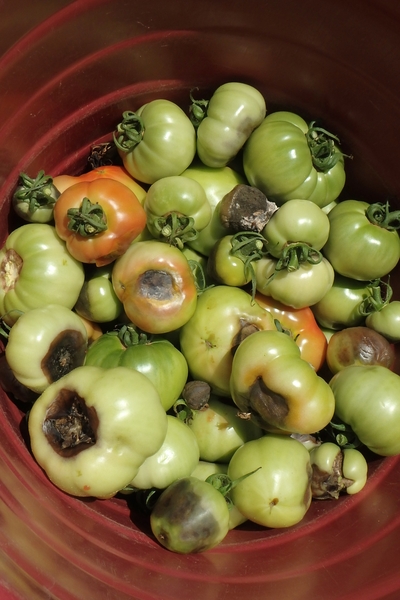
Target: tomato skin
176,458
125,219
208,338
296,221
155,283
220,431
159,360
278,161
37,269
62,182
368,399
233,112
97,300
224,267
302,326
300,288
340,307
167,146
386,321
178,195
216,184
279,493
280,390
358,248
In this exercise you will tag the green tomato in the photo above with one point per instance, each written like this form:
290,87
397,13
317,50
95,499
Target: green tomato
386,321
36,269
216,184
279,493
190,516
223,315
296,221
45,344
159,360
281,159
177,208
232,113
279,390
341,305
158,140
302,287
335,470
220,431
34,198
97,300
361,243
92,429
176,458
367,398
227,268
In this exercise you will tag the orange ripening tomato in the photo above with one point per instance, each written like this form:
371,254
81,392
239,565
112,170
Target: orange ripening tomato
156,285
302,326
62,182
98,220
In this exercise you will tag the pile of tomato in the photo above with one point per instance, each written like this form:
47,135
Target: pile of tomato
201,321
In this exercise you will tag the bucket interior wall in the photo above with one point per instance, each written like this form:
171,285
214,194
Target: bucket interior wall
67,72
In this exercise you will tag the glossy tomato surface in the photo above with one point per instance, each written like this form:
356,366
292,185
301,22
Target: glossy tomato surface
67,72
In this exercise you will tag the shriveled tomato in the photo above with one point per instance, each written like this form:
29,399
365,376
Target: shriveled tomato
98,220
301,325
156,285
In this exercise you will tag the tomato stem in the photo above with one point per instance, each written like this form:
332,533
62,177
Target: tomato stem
294,254
224,484
197,110
249,246
379,214
37,192
324,151
176,229
129,132
129,336
87,220
376,300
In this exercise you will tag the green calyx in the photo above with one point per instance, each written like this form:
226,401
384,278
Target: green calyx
224,484
197,110
380,214
38,192
323,147
295,254
176,229
88,220
129,132
377,298
129,336
249,246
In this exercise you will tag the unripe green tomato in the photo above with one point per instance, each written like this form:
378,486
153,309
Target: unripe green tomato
226,268
386,321
97,300
220,431
340,307
355,467
296,221
177,457
190,516
279,493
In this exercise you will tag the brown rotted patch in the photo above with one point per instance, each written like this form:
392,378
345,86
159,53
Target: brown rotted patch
268,407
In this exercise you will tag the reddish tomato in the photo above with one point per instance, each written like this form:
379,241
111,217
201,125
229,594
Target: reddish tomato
62,182
98,220
302,326
156,285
